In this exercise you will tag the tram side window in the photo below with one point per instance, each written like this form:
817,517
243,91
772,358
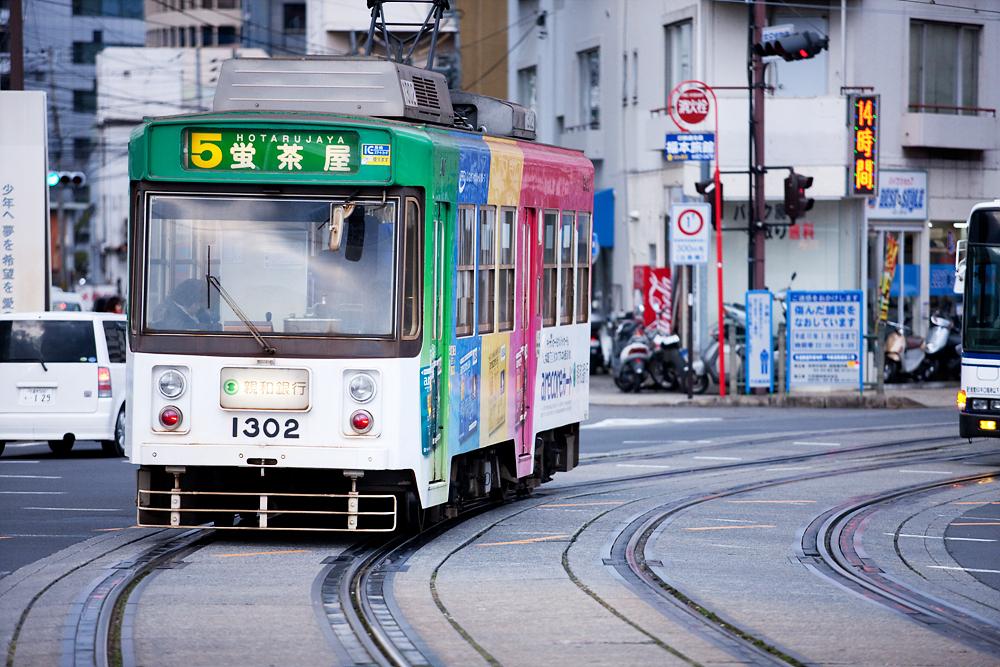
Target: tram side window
487,268
550,267
411,270
466,270
583,237
505,265
566,230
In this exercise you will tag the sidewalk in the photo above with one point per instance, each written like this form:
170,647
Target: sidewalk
912,395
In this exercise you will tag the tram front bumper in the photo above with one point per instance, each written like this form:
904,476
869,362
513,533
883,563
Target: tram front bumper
197,454
978,425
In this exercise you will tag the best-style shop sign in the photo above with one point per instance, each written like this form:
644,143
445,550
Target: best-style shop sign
689,226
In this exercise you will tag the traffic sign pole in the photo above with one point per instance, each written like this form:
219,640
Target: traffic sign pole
695,112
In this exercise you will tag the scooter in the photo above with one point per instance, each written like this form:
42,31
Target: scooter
666,363
631,364
910,357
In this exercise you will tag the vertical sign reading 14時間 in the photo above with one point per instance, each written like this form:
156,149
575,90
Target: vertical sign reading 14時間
863,172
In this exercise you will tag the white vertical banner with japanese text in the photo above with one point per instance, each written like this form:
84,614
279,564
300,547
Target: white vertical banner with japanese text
24,207
825,346
760,340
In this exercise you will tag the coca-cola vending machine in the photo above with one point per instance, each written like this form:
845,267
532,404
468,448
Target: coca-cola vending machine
654,295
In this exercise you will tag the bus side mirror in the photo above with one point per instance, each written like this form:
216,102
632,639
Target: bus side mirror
337,214
961,250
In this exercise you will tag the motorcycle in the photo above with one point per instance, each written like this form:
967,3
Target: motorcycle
629,367
938,356
666,363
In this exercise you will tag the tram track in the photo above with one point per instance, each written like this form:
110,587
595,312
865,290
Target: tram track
360,581
830,547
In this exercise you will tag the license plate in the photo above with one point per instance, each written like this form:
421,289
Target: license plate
264,389
37,395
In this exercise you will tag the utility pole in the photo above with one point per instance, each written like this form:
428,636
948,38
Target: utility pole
16,46
758,202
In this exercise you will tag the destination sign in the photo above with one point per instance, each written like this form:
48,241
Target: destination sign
285,151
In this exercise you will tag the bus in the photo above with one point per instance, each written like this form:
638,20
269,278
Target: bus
978,278
352,307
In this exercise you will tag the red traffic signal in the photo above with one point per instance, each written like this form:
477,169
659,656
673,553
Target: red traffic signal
797,46
796,201
707,190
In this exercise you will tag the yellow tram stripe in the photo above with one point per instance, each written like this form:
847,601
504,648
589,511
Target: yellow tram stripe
975,523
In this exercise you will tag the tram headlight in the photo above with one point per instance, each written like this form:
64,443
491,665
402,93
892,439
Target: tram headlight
994,405
171,384
980,404
361,387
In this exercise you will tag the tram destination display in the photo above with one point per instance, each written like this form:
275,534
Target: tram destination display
824,339
285,150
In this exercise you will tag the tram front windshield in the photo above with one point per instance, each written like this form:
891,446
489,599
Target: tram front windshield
273,259
982,307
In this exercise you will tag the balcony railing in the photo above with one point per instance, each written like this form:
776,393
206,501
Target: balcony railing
953,110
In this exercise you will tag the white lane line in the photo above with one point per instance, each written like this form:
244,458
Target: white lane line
30,477
962,569
728,546
784,468
74,509
972,518
717,458
33,493
642,465
938,537
43,535
17,461
928,472
815,444
733,520
25,444
625,422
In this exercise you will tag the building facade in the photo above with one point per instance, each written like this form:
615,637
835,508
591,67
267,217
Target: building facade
598,73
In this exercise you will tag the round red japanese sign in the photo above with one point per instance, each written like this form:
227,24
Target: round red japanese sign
692,106
690,222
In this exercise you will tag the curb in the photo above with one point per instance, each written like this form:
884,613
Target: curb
867,401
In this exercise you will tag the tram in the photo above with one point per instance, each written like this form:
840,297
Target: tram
979,269
358,300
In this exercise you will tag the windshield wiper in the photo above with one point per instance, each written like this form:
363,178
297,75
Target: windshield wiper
254,331
38,359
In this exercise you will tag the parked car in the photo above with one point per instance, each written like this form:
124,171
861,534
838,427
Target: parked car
62,301
62,379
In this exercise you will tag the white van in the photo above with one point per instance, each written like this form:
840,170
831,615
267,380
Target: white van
62,379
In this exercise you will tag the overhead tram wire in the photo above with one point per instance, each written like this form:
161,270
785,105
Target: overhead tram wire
957,10
504,58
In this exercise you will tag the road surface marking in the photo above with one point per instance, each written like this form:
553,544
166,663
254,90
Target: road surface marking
666,442
784,468
752,525
263,553
30,477
76,509
975,502
816,444
963,569
530,540
928,472
938,537
974,518
770,502
33,493
729,546
975,523
641,465
624,422
717,458
596,502
733,520
17,461
10,535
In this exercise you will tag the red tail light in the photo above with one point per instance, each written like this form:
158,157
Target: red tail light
103,382
170,417
361,421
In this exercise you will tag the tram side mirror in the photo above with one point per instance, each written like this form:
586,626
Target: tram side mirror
355,235
338,212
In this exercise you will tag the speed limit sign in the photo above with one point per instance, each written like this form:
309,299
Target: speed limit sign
689,225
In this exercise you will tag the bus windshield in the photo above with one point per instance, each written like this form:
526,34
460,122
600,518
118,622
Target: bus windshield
982,305
272,257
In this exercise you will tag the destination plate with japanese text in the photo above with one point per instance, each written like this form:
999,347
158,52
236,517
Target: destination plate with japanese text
242,388
268,150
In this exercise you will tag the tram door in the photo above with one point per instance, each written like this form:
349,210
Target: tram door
439,449
528,324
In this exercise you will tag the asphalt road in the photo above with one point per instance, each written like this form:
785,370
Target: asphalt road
50,502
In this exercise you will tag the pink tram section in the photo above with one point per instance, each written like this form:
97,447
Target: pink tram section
515,367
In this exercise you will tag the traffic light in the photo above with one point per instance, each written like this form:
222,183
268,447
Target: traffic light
707,190
797,46
71,178
796,201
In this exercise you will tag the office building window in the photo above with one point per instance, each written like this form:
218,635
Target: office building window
294,18
85,101
127,9
590,88
944,67
527,93
678,53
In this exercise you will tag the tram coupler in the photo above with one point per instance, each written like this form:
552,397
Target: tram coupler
175,498
352,500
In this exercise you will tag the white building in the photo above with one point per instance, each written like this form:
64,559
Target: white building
156,82
598,73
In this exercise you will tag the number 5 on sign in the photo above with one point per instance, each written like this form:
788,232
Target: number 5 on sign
200,144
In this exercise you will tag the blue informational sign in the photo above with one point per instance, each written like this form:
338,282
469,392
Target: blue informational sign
760,340
698,147
825,347
595,247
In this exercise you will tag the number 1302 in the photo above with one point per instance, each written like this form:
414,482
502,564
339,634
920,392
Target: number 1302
269,428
